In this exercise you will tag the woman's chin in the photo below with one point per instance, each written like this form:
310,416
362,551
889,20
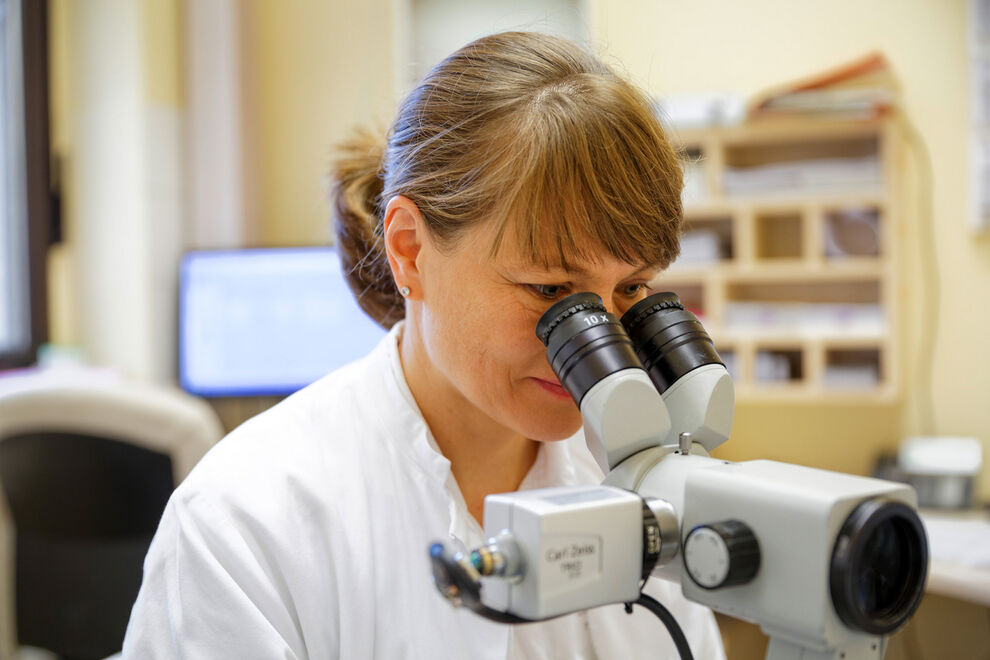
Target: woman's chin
559,427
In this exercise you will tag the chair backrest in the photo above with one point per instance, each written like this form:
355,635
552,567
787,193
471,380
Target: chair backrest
85,471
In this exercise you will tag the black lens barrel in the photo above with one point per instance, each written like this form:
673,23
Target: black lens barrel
879,565
584,343
669,340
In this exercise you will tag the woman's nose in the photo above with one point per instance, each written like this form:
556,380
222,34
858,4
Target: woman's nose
610,303
616,304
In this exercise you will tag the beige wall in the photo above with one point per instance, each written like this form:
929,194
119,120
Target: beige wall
62,313
745,47
161,27
314,70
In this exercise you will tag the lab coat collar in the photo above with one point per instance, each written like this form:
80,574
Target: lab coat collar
408,422
410,431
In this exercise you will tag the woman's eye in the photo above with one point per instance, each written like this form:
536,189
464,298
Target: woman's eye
632,290
548,291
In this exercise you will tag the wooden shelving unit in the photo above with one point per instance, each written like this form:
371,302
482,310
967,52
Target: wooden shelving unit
796,278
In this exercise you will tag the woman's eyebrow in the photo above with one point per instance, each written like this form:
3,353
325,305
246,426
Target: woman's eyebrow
578,270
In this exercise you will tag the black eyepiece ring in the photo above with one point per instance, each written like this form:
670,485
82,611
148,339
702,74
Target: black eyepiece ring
565,308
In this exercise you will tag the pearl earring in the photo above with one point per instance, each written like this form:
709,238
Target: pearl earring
405,291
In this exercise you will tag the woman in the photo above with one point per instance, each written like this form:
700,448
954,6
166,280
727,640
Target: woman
520,170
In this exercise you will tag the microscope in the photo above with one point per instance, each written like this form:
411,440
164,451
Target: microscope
827,564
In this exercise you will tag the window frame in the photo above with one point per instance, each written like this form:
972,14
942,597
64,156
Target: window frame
34,67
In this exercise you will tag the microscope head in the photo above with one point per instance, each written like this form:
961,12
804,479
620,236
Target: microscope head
641,382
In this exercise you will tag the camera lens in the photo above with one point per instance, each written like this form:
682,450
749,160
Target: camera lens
879,565
584,343
669,340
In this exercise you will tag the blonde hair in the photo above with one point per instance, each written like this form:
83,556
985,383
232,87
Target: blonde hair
525,130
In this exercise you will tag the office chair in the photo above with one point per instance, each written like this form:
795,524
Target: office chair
85,472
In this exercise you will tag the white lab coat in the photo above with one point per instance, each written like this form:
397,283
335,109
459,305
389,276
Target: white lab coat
304,534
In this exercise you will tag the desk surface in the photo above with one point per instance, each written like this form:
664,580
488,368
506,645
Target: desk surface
960,548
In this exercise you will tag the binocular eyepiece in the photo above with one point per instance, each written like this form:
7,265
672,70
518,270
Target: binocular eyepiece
585,343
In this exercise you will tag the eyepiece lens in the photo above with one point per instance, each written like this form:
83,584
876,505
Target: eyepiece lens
585,343
669,340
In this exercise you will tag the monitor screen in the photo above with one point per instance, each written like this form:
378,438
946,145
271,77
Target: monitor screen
266,321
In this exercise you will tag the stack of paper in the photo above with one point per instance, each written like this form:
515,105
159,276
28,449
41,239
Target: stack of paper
822,175
961,541
862,89
805,319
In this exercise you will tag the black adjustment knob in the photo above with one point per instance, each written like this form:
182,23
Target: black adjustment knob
721,554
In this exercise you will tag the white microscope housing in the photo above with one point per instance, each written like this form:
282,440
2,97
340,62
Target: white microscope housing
827,564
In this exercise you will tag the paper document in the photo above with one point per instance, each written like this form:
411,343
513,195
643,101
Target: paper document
959,540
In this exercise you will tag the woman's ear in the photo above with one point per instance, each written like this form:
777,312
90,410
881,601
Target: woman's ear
405,234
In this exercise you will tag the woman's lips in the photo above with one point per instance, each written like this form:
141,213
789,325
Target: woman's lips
553,388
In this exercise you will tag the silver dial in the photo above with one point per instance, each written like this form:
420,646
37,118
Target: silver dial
706,557
721,554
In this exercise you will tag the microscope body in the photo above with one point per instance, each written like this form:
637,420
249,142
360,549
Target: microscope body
827,564
795,514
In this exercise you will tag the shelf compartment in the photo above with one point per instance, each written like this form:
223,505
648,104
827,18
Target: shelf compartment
852,232
812,290
730,358
778,366
847,272
852,369
697,185
815,166
805,309
771,152
706,241
779,235
789,270
691,295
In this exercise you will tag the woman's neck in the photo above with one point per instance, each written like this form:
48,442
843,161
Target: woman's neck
485,457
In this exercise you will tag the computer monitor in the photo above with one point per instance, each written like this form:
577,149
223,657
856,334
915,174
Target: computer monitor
266,321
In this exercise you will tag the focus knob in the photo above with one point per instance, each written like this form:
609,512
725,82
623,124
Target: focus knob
721,554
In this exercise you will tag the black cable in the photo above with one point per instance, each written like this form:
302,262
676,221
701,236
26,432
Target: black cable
456,582
662,613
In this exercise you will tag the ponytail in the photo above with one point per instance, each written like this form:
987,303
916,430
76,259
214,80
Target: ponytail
357,187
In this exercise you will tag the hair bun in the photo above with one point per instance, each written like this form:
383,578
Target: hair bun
357,188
